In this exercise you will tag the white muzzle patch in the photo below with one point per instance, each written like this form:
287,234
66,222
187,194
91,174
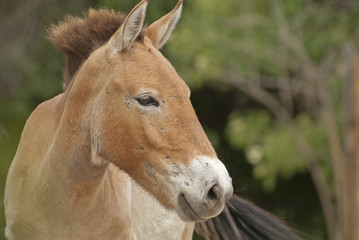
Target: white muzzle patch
203,188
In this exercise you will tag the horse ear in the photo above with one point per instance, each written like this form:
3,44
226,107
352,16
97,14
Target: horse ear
124,37
160,31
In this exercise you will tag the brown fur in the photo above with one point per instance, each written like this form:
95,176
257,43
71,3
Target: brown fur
94,163
97,161
78,37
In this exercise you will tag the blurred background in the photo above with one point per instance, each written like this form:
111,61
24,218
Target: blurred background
275,84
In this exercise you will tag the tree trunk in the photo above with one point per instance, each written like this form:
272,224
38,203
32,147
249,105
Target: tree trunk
351,221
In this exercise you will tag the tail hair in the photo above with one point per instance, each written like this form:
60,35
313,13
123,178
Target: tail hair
243,220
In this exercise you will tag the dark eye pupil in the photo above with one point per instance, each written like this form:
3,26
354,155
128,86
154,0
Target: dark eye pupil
147,101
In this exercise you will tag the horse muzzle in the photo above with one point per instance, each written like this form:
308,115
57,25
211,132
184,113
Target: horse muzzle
204,190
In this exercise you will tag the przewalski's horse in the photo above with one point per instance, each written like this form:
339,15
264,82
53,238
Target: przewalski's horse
121,154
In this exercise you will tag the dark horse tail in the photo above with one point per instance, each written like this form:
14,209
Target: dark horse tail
242,220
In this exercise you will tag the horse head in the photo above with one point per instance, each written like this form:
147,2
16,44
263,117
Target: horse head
144,123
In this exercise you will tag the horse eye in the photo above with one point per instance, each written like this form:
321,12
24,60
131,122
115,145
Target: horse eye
147,101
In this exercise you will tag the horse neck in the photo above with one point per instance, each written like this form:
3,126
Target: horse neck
71,151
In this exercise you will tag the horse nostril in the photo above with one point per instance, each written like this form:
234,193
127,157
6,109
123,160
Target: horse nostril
211,194
214,193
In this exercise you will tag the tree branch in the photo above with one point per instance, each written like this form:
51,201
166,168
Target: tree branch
279,111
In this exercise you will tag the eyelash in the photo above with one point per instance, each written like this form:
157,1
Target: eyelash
147,100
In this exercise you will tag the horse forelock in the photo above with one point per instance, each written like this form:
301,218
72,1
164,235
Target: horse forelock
78,37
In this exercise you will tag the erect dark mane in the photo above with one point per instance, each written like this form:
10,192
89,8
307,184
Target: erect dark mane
78,37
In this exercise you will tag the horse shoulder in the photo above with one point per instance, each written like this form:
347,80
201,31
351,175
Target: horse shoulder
22,188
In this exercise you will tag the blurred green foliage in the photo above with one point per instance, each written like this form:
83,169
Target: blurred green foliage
254,39
269,147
